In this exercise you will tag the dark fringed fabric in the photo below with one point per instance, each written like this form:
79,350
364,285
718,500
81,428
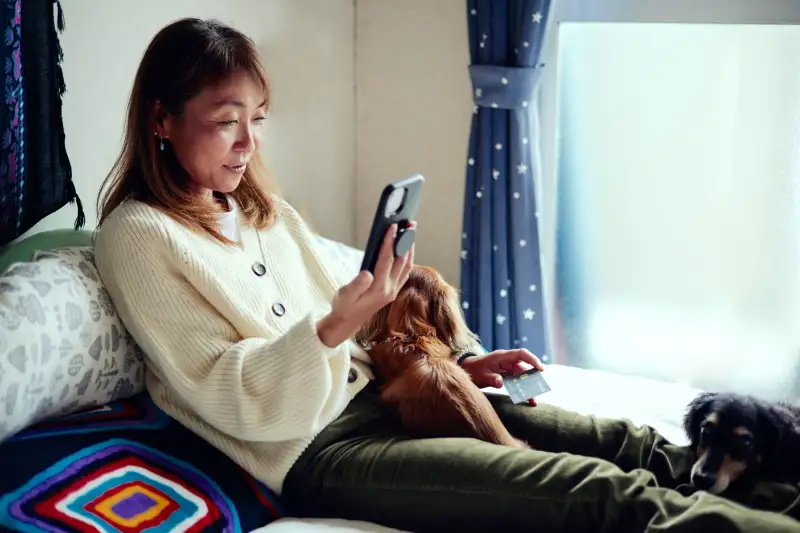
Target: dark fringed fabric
35,171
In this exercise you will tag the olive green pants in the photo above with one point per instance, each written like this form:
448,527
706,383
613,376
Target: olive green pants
586,475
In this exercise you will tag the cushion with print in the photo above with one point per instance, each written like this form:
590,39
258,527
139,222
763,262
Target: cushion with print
62,345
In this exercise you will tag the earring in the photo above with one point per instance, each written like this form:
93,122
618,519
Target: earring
160,141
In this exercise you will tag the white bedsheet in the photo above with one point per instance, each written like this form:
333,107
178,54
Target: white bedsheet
643,401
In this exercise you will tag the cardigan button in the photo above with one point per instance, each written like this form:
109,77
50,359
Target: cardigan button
352,376
259,269
278,309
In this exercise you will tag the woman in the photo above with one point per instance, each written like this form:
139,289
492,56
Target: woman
246,331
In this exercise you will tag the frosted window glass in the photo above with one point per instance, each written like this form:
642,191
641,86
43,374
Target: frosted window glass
678,214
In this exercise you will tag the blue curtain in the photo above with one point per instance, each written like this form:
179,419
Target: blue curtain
501,272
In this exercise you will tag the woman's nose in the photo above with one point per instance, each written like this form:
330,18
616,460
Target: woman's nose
246,141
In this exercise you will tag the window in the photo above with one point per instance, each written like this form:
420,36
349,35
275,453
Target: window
675,148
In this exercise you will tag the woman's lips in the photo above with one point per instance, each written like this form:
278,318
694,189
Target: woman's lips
236,168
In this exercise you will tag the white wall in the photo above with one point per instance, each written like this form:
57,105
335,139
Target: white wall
307,45
403,62
414,106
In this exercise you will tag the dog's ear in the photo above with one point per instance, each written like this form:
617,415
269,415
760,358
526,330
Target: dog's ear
449,321
697,410
442,318
409,314
373,329
772,425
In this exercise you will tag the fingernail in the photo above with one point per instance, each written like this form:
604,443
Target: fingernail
394,229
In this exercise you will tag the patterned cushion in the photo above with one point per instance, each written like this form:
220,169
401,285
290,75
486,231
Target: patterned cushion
125,467
62,345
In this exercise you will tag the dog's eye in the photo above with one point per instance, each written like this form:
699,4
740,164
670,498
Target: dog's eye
741,449
707,430
741,446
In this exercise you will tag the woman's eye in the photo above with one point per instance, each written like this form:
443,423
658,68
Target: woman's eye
229,123
259,120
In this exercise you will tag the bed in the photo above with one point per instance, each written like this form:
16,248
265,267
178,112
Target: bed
57,452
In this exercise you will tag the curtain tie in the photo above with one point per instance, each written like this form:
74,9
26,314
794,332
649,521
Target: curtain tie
503,87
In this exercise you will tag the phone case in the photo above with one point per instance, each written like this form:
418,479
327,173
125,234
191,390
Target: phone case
381,223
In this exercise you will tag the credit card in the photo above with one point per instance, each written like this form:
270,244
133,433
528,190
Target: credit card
525,385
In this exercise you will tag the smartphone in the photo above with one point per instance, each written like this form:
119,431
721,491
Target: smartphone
398,205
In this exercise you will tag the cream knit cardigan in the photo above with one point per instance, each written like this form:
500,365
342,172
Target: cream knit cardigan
220,359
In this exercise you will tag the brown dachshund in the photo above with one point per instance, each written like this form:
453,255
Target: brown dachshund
412,343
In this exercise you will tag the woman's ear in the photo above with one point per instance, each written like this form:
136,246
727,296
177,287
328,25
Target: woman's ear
162,120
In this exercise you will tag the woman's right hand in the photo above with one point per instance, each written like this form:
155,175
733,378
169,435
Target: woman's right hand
356,302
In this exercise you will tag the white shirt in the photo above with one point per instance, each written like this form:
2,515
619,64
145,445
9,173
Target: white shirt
228,225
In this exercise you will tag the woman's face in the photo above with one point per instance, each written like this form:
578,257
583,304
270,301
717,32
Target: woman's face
218,132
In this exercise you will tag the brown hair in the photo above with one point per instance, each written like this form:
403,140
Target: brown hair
182,59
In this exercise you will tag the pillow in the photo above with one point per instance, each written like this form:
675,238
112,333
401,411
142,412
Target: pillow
62,345
347,257
22,250
126,466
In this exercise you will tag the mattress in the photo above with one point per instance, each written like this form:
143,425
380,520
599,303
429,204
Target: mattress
592,392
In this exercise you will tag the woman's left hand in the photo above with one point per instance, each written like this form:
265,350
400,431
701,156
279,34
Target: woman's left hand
486,370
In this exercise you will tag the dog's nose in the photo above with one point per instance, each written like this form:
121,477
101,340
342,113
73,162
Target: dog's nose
703,480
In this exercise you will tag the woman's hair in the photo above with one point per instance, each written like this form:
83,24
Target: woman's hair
182,59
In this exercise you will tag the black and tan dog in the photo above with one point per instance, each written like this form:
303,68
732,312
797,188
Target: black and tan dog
737,436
